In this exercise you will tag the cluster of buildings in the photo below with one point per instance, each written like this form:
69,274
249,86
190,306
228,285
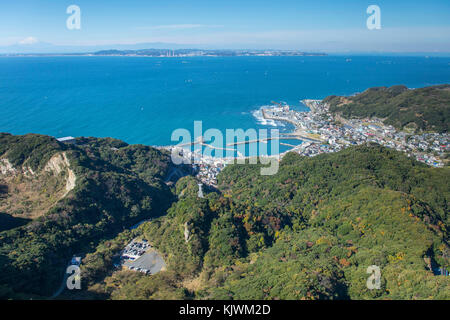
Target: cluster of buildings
206,168
323,132
429,147
200,52
311,149
337,133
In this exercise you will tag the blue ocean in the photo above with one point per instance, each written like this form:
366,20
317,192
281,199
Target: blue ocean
143,99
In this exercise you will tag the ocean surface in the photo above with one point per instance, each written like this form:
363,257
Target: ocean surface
143,99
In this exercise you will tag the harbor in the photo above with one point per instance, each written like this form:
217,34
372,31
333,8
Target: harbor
317,131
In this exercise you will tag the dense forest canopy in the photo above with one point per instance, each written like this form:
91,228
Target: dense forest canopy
423,109
308,232
117,185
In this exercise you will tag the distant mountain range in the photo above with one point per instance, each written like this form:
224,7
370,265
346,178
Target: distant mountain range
33,46
158,49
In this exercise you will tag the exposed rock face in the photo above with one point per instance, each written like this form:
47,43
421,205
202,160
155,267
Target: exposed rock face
6,167
31,192
59,163
200,190
186,232
71,180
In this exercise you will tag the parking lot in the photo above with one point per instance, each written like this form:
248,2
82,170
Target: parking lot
138,255
135,249
149,263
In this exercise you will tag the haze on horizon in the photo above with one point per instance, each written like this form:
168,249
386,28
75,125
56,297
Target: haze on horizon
321,26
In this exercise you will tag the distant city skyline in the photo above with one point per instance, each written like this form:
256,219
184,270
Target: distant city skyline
323,26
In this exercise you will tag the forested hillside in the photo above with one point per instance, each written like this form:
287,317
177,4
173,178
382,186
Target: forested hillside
423,109
308,232
113,186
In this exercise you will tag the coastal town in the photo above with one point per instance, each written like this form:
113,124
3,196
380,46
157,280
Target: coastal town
175,53
320,131
337,133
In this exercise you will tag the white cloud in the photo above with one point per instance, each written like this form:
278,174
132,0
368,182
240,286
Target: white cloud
29,40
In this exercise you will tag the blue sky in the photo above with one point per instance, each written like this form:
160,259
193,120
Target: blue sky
330,25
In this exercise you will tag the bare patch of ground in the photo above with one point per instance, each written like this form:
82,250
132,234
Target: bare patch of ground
28,194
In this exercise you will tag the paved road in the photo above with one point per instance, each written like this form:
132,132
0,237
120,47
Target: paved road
63,283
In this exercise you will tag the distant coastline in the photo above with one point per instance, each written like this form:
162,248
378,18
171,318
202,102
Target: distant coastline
168,53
